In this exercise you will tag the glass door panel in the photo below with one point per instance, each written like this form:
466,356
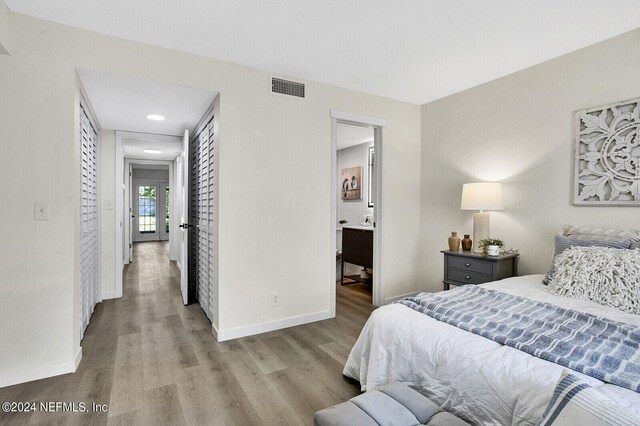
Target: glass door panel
147,209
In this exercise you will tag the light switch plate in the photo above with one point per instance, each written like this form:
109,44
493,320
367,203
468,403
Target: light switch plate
108,204
41,210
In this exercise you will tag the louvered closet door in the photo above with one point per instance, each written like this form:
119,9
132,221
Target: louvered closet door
212,226
89,262
200,263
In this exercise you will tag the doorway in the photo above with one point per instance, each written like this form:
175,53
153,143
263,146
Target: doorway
356,225
150,202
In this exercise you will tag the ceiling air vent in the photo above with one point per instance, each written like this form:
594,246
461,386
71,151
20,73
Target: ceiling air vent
287,87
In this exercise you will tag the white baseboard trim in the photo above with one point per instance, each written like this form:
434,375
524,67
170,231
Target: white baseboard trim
215,332
250,330
110,295
402,296
41,372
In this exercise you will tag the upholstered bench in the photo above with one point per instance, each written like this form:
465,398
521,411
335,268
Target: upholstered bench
393,404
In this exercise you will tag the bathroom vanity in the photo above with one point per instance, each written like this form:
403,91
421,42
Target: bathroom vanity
357,249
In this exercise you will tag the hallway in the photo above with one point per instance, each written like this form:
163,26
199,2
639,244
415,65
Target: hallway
154,361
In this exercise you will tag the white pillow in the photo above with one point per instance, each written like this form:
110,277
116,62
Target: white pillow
608,276
575,402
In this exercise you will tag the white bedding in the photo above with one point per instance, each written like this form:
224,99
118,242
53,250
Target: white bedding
475,378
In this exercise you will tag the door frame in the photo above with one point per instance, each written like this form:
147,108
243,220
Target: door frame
123,200
377,124
161,186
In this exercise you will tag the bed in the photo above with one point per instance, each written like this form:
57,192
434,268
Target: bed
476,378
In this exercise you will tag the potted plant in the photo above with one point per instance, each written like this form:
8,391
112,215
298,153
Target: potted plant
491,246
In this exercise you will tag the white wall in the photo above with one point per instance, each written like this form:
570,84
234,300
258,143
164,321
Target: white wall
151,174
519,130
5,24
264,226
108,194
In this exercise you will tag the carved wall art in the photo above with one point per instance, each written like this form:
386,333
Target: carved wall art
607,154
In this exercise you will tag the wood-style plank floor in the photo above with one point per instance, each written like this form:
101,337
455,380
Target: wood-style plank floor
153,361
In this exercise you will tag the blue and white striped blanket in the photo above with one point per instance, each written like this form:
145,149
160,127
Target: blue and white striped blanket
592,345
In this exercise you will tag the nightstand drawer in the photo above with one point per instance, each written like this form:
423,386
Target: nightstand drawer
472,265
467,277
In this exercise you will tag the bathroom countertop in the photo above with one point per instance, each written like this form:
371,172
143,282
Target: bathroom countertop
360,227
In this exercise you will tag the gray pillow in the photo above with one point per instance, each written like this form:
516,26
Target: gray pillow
563,243
611,235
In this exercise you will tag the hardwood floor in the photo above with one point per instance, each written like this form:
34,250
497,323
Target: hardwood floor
153,361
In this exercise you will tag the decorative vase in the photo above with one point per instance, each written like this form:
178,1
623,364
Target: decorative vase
467,243
493,250
454,242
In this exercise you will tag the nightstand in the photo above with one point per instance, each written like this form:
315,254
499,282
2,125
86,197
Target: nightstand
466,267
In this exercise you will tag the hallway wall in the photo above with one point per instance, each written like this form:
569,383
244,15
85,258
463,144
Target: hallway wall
265,226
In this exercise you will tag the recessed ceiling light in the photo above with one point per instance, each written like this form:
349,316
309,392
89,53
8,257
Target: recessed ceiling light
155,117
153,151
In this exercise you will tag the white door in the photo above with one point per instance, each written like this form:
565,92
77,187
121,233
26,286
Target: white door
201,205
184,214
164,204
131,215
147,210
90,292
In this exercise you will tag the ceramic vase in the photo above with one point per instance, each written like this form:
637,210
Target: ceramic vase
467,243
454,242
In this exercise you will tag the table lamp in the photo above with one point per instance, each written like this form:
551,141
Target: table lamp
481,196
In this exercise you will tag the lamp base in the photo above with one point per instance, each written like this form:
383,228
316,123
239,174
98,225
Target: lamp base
480,230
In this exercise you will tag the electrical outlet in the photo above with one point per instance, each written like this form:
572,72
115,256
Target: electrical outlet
275,299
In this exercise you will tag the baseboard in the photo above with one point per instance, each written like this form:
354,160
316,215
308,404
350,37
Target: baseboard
110,295
77,359
41,372
215,332
402,296
250,330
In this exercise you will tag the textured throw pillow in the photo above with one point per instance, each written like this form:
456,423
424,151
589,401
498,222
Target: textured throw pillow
562,243
595,234
575,402
608,276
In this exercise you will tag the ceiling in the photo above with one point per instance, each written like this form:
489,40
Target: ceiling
123,103
411,50
349,135
135,144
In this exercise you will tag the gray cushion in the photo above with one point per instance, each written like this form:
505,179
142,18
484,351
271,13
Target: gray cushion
562,243
346,413
419,405
393,404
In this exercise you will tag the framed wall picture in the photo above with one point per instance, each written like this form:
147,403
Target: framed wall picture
607,155
351,183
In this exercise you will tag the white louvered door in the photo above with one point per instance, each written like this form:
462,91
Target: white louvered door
202,244
89,261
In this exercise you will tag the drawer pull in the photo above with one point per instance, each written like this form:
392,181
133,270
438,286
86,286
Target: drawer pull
467,264
468,277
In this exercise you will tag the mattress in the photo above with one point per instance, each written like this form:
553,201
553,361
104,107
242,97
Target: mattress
469,375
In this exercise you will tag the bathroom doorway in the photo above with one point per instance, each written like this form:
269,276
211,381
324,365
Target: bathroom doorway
356,206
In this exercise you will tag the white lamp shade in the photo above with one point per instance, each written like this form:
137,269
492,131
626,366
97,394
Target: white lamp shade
481,196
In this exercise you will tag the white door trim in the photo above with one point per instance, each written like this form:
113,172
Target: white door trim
377,124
